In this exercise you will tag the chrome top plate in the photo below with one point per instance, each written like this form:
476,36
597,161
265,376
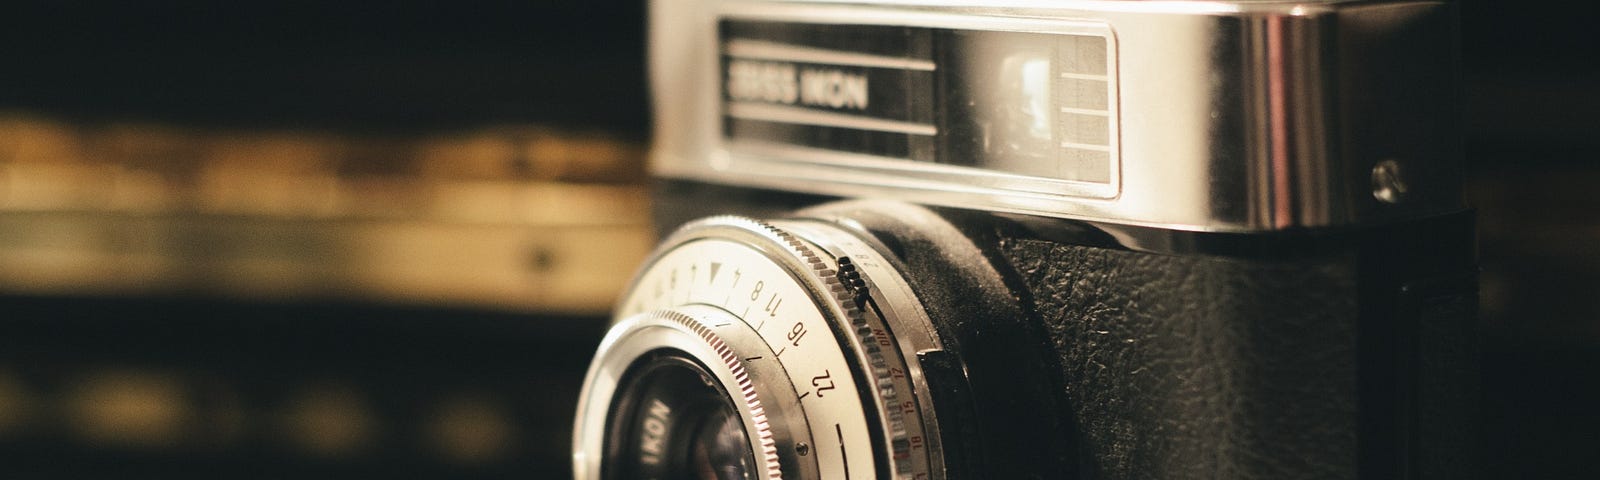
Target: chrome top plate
1230,116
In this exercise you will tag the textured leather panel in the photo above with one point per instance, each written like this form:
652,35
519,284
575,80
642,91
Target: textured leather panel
1200,367
1228,357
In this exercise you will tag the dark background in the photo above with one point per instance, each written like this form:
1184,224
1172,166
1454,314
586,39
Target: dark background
1532,87
362,66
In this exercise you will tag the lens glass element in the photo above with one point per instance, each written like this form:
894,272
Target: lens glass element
719,450
673,421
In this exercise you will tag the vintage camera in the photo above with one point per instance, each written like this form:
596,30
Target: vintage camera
1074,239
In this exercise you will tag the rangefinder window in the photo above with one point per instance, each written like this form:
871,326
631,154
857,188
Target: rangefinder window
1022,103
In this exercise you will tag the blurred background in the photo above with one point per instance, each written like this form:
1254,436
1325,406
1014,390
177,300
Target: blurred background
273,239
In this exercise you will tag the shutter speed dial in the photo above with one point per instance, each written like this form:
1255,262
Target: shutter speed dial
801,334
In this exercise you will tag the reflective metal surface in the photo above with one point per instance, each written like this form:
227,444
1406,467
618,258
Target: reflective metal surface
1234,116
717,341
812,322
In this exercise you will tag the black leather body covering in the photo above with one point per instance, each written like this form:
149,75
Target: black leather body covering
1199,367
1075,350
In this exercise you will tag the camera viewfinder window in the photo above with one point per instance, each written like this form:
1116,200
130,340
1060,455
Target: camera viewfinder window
1034,104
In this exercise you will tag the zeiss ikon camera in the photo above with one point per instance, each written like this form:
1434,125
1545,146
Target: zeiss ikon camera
1069,239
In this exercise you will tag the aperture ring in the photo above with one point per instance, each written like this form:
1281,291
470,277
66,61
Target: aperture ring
719,342
746,388
881,305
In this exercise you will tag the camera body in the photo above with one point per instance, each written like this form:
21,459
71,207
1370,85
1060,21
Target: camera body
1089,239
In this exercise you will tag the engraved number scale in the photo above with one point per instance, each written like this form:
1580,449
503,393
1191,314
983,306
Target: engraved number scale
813,309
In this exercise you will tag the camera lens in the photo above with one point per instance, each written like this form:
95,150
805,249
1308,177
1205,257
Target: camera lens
746,351
672,421
719,450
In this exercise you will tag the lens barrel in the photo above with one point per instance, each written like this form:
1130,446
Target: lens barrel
749,350
672,420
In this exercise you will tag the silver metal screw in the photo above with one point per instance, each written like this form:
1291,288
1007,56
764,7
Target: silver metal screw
1387,184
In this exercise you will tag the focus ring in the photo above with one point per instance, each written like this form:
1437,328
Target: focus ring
747,389
707,280
880,303
873,342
